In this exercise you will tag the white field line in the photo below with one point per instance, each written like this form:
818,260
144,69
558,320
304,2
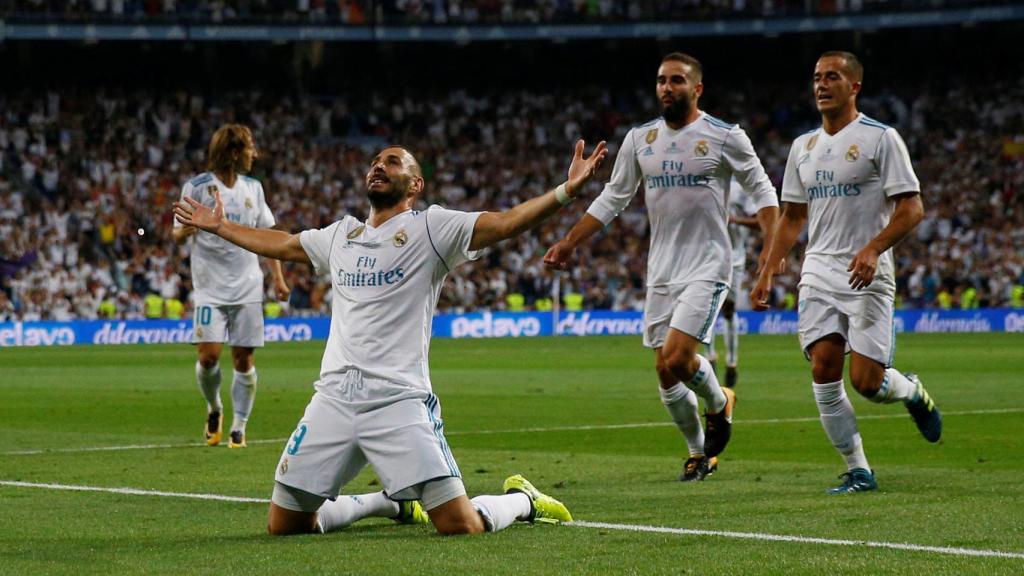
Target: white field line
951,551
738,421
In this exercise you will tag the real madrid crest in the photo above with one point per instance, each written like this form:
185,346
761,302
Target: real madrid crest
248,203
853,153
211,190
702,148
356,232
400,239
652,135
813,140
283,469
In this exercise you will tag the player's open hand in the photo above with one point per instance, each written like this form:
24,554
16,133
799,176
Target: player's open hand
191,212
862,268
583,169
558,256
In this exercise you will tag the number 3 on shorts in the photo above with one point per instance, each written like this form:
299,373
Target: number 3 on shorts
300,433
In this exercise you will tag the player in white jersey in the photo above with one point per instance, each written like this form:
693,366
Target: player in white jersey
227,281
373,403
685,160
852,180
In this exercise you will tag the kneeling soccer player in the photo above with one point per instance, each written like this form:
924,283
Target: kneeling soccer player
373,403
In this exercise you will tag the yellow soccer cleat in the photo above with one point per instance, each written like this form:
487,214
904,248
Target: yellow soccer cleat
411,512
544,508
212,430
237,439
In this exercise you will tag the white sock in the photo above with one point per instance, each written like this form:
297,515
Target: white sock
895,388
209,385
840,423
681,403
705,384
732,342
243,393
500,512
346,510
710,347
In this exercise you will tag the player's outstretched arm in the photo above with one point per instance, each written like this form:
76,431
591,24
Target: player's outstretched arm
781,241
262,241
908,214
493,227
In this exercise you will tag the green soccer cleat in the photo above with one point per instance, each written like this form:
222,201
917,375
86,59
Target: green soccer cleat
856,480
411,512
543,508
924,411
212,430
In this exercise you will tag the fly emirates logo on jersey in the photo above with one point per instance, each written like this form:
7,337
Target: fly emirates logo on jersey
674,176
825,186
366,274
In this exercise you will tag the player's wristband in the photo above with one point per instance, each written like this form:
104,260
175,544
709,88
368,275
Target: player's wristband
562,196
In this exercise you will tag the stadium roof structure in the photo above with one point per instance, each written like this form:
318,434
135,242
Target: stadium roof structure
18,29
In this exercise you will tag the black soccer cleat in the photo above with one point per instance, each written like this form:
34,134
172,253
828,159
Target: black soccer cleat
697,468
731,375
924,411
718,427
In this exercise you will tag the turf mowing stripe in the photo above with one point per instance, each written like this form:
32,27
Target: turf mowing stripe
514,431
133,492
578,524
802,539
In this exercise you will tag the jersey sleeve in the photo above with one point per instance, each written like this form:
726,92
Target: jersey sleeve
792,188
738,154
318,243
186,192
265,219
450,233
622,187
894,166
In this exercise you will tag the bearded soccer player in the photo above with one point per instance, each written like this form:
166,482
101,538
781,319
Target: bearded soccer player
685,160
852,179
227,280
373,403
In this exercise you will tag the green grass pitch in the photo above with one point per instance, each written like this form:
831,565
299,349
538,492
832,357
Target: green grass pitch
547,408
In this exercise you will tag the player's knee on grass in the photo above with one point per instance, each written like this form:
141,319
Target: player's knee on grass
456,517
292,511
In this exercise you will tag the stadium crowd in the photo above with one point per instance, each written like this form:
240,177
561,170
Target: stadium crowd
363,12
87,180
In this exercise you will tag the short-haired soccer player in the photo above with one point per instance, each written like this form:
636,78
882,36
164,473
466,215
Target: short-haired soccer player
228,281
373,403
852,180
685,160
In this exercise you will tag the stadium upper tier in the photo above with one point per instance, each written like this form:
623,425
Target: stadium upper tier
442,12
82,171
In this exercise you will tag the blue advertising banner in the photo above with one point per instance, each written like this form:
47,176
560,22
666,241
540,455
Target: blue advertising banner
482,325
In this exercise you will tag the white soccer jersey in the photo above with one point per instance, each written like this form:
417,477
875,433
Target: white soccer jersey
686,175
223,273
740,205
385,284
847,180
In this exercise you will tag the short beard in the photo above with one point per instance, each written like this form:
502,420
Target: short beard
389,198
676,111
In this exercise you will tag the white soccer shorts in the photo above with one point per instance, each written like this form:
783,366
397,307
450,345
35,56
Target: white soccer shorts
349,423
239,325
864,321
691,308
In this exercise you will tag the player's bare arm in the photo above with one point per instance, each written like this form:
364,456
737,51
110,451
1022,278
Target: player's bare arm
557,257
263,241
493,227
908,214
782,240
745,221
182,234
281,289
767,218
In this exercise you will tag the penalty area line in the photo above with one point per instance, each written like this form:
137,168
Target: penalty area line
945,550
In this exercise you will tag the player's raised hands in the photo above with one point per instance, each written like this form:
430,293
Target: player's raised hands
583,169
191,212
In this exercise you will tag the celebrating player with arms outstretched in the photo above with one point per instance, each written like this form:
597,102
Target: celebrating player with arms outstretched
685,160
373,403
852,179
228,281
